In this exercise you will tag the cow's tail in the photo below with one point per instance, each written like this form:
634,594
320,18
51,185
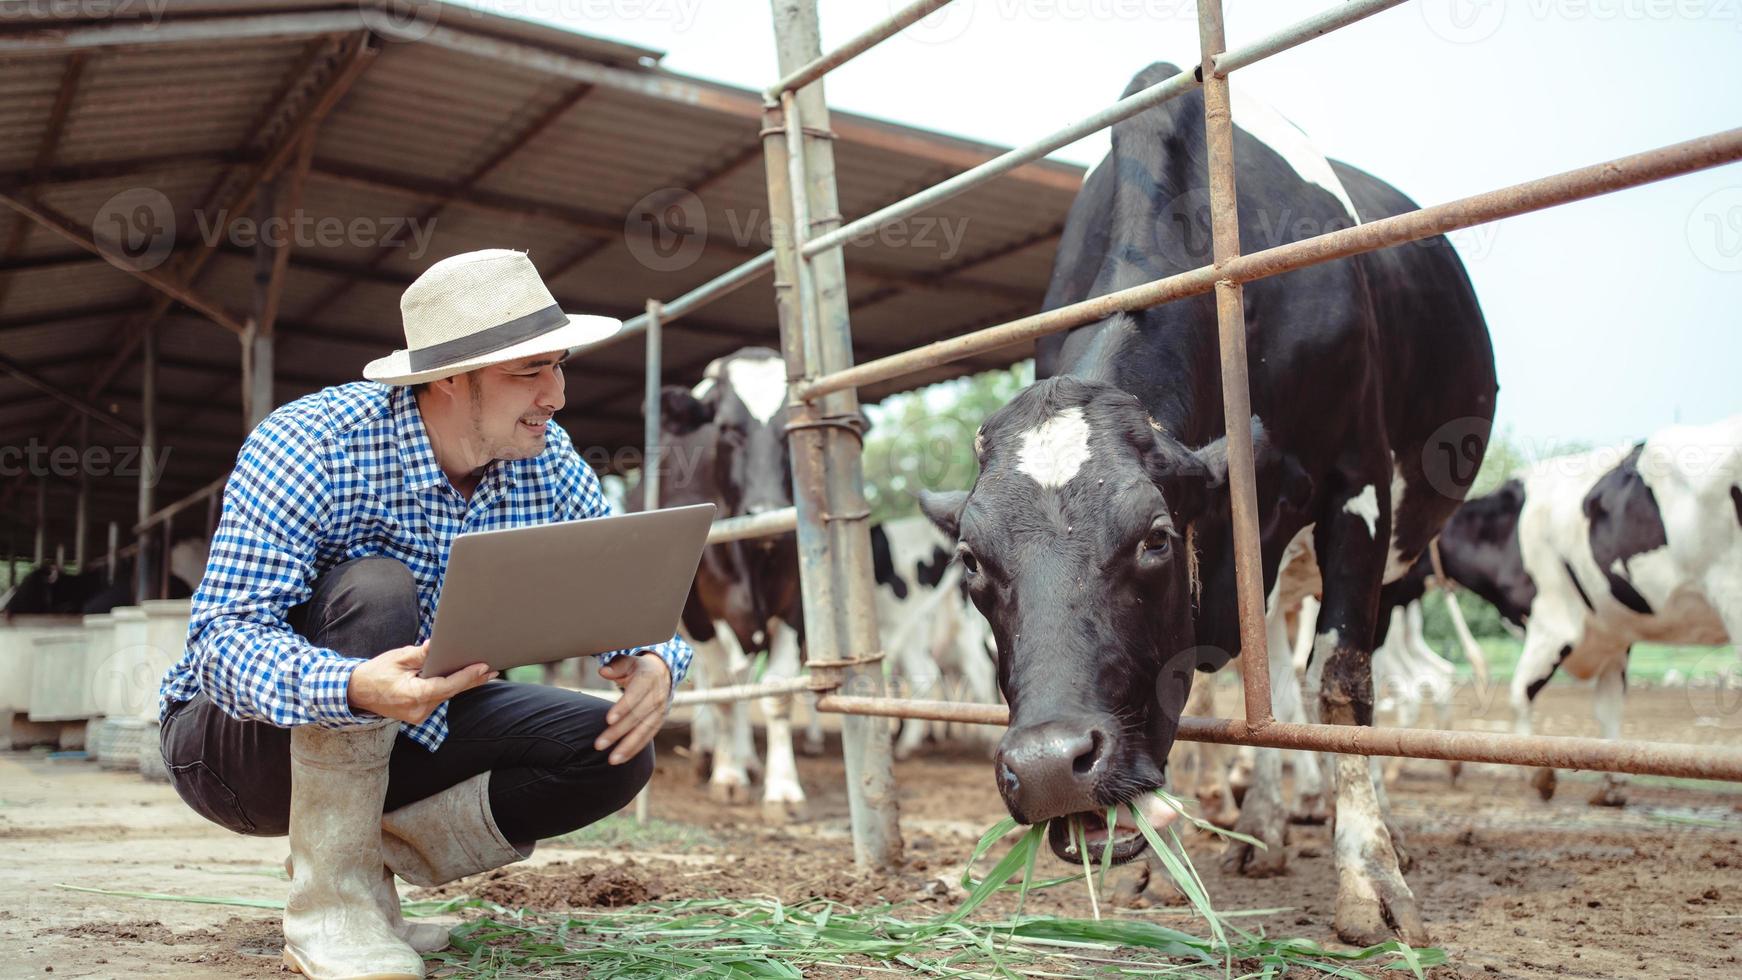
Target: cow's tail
1472,650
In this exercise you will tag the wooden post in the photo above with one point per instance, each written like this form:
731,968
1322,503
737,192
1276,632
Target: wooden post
81,514
147,464
828,490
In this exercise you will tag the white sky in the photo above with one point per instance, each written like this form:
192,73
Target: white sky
1610,317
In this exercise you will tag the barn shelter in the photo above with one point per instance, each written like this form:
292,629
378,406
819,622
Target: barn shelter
148,300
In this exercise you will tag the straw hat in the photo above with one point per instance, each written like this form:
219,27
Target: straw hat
481,308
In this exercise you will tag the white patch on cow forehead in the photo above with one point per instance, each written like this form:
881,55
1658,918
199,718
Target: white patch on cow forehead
1365,505
1270,128
1053,451
760,384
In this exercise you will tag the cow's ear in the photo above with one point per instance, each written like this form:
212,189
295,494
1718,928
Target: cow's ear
945,510
680,412
1197,481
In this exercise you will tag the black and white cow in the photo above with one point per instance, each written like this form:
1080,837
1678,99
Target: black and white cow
1595,552
1096,539
938,646
49,588
724,441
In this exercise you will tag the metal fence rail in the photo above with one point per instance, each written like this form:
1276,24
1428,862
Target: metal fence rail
828,492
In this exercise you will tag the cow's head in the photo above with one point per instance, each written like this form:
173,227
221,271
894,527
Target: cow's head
1479,549
1078,544
741,404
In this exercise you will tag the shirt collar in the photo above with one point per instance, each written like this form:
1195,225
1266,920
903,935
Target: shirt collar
417,456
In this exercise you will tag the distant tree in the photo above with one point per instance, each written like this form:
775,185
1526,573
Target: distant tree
924,439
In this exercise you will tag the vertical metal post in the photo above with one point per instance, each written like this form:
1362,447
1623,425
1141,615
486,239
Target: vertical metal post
650,424
81,510
650,452
163,562
1236,399
148,463
257,339
834,540
114,546
41,520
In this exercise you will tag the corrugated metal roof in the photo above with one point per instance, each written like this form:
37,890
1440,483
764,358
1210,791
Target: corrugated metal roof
488,132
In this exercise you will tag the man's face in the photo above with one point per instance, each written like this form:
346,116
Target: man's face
510,403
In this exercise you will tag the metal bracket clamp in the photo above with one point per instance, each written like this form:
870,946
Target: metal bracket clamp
820,683
853,422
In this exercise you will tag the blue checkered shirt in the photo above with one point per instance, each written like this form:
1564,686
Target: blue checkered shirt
347,473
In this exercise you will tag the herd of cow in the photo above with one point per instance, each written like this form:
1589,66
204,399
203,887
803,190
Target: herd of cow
1095,545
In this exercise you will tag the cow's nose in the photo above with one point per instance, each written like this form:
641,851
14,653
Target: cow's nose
1050,770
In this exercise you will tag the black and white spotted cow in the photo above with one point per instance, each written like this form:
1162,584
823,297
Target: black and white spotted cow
1595,552
1096,539
724,441
938,646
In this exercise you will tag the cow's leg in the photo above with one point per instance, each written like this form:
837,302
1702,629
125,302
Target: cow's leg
1374,903
915,662
1211,787
1263,816
1394,680
1543,652
814,742
1611,692
733,750
782,797
1306,802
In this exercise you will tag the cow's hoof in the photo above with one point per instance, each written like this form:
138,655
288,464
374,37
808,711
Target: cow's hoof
1543,781
1608,794
1313,810
1261,823
730,791
782,812
704,765
812,747
1375,905
902,752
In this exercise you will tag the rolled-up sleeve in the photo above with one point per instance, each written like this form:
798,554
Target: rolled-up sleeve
581,497
249,661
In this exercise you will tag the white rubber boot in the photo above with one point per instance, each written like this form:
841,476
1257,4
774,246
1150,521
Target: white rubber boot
447,836
334,928
423,937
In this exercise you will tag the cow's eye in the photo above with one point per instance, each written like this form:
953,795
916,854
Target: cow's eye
1158,543
970,564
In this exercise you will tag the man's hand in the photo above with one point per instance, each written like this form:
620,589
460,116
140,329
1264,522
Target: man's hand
389,686
633,721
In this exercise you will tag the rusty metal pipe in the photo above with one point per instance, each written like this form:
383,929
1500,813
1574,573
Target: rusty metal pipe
756,526
1534,195
1561,752
1236,396
862,42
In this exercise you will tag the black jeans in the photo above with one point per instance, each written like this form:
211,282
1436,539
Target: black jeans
535,741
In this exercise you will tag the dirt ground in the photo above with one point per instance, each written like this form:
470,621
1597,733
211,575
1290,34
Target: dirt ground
1510,886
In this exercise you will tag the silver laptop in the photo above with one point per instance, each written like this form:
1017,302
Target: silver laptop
532,595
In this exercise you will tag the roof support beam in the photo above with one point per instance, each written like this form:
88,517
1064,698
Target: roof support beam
67,228
73,402
538,127
120,33
45,151
349,59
